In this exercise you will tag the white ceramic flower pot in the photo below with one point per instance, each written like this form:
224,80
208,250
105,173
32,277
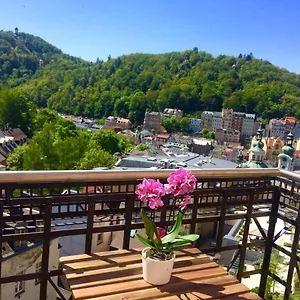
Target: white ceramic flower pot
157,272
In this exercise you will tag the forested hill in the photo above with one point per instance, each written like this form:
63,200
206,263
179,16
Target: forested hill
128,85
22,55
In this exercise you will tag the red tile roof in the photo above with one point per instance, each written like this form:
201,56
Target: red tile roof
163,136
17,133
270,142
291,120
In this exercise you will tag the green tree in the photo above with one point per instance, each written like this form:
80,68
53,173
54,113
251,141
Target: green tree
110,142
171,124
142,147
204,131
211,135
95,158
41,117
15,160
185,124
15,110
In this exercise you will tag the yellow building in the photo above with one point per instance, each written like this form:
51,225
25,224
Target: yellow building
272,147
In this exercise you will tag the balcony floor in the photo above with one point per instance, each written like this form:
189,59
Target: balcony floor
118,275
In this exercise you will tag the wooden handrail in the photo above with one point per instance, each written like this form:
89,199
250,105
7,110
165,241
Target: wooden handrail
123,175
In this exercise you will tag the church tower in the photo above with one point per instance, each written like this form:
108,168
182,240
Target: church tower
286,158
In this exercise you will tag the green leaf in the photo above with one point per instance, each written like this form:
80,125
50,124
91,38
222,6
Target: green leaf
189,237
145,241
175,230
184,239
150,227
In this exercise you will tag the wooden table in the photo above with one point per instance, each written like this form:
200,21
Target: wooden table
117,275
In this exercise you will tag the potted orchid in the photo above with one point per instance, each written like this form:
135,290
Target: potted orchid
158,256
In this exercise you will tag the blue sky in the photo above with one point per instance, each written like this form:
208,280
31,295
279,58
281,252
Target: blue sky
270,29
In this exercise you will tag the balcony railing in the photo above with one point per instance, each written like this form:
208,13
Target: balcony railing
92,199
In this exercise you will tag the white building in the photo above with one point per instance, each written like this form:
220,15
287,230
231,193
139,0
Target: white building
206,119
296,131
28,261
212,120
276,128
216,120
173,112
195,125
248,126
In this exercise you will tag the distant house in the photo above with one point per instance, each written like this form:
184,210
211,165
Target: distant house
118,122
173,112
195,125
223,135
163,137
19,136
201,146
152,121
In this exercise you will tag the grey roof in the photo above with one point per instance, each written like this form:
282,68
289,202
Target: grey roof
217,113
255,165
192,161
250,116
146,132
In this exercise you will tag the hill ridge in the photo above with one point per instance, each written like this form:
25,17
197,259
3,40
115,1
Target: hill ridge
126,86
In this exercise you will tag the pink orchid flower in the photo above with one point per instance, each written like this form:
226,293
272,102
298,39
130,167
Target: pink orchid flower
151,191
180,182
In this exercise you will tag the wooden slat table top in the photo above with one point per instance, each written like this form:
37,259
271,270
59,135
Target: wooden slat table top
117,275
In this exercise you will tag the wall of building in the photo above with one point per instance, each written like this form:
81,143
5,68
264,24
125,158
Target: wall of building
26,262
195,125
247,127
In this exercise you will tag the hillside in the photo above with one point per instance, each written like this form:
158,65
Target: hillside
128,85
24,55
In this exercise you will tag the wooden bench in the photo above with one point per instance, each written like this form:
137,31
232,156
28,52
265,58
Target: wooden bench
117,275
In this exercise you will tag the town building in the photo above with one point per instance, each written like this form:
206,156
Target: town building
286,159
201,146
173,112
216,120
19,137
206,119
257,155
273,147
296,131
232,153
282,127
227,136
117,122
195,125
212,120
248,126
152,121
227,119
231,121
256,125
25,257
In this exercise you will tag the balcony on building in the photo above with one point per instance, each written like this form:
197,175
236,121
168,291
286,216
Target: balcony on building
240,214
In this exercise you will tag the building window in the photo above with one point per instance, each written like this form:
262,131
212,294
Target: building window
38,269
100,238
19,286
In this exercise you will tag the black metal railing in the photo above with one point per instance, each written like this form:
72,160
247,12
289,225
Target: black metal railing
48,204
